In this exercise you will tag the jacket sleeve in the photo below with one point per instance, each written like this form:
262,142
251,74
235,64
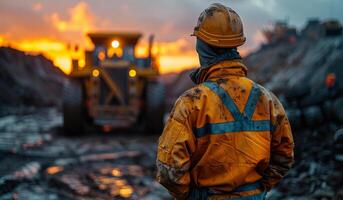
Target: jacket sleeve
175,147
282,145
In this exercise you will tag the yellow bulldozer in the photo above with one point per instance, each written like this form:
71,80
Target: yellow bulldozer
115,89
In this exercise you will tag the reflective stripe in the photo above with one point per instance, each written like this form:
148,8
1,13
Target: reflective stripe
249,109
246,188
232,127
226,99
252,101
260,196
242,121
249,187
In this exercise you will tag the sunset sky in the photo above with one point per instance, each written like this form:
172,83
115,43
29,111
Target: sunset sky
50,27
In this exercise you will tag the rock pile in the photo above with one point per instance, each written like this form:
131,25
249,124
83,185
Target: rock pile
304,72
28,80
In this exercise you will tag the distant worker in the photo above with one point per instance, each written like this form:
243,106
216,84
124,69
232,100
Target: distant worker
330,83
228,137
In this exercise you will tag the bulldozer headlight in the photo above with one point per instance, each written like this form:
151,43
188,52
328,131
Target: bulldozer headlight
115,44
132,73
95,73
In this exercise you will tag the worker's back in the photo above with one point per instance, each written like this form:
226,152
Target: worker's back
228,135
232,131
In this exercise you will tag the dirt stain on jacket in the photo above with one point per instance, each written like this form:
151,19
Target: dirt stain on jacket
193,94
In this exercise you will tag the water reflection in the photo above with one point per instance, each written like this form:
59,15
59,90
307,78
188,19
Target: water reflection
54,169
126,191
116,172
110,181
115,185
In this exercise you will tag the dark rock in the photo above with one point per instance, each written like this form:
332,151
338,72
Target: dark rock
28,80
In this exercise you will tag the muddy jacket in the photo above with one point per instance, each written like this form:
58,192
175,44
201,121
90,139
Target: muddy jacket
228,136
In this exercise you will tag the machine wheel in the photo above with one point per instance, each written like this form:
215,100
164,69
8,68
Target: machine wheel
73,107
155,105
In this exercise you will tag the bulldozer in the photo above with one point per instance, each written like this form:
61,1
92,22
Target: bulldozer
115,89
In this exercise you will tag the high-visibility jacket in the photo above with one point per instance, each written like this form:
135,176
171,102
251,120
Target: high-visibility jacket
225,134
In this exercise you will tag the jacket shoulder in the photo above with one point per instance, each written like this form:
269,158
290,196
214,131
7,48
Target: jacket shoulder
193,94
275,103
270,95
186,105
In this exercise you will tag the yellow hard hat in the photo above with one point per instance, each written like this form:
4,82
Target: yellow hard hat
220,26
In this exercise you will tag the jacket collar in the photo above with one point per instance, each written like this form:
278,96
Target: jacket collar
224,69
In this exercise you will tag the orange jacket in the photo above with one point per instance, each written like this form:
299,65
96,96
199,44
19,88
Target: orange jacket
222,134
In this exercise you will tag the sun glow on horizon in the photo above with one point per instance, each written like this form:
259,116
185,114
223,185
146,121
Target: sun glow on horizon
177,63
169,56
169,59
58,52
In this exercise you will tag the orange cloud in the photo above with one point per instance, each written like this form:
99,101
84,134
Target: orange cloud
37,6
70,29
74,27
175,48
80,19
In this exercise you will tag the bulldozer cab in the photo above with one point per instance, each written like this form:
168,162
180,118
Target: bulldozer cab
115,88
109,48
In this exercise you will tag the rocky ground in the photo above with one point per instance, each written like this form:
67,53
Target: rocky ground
39,162
315,174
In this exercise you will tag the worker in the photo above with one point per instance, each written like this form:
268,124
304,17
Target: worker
330,82
228,137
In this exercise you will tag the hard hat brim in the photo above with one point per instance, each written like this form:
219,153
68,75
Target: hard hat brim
220,40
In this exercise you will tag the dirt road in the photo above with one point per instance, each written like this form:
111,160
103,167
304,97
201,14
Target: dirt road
38,162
